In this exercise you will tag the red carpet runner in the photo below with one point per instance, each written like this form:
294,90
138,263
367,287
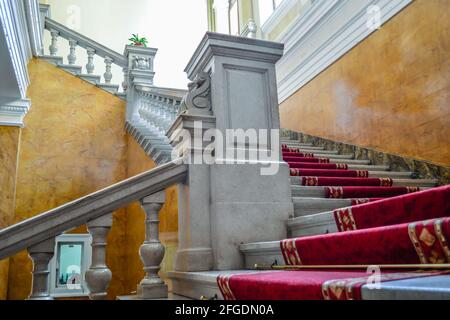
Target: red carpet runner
329,173
377,229
305,285
402,209
338,181
367,192
419,242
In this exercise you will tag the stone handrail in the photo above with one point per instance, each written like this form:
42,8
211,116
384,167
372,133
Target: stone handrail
38,233
76,213
85,42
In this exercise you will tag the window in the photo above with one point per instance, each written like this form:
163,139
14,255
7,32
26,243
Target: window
234,17
72,258
266,8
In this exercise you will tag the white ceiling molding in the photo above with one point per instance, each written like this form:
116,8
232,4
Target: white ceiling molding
33,15
328,30
20,39
13,113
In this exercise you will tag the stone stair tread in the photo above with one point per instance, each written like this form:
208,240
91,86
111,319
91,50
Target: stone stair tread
319,152
350,161
396,182
311,225
415,182
368,167
315,192
424,288
171,296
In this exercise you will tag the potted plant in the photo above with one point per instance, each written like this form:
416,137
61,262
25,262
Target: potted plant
136,41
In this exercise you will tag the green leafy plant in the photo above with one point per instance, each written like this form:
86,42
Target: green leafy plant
136,41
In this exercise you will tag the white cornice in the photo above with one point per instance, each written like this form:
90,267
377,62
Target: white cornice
278,15
13,113
328,30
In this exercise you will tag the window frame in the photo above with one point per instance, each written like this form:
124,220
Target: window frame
231,3
86,258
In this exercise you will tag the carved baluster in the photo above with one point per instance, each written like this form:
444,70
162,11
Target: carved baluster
99,276
152,251
90,65
125,79
72,57
41,254
54,44
108,75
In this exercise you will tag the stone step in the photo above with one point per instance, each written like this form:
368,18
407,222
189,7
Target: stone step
194,285
309,206
333,157
314,192
350,161
377,174
92,78
111,88
396,182
122,95
55,60
297,145
314,224
370,167
71,68
416,182
319,153
170,297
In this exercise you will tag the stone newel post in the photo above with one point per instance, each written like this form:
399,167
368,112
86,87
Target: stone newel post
223,205
140,73
152,251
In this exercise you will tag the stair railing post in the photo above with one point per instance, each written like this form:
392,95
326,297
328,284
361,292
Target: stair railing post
41,254
54,42
90,64
152,251
108,74
139,72
99,276
72,57
125,79
233,89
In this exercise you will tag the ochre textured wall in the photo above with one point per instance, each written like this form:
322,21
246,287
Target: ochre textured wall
73,144
390,93
9,147
139,162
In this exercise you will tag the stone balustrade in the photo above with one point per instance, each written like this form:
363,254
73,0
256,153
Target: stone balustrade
93,48
38,234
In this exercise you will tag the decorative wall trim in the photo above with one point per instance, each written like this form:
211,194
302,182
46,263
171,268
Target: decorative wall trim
13,113
328,30
277,16
422,169
16,42
33,16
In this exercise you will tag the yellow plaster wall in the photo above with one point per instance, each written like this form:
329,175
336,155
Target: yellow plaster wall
73,144
9,147
390,93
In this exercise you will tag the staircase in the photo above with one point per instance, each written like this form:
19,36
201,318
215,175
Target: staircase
315,211
331,194
157,107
